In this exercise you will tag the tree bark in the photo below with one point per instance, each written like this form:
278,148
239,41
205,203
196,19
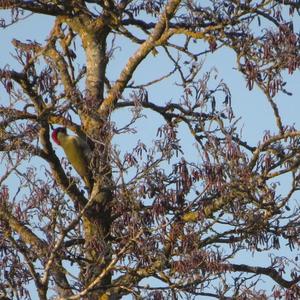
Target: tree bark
97,220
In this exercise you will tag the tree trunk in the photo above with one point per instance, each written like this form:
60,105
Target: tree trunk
97,220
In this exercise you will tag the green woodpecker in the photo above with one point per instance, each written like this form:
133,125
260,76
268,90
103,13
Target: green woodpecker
77,151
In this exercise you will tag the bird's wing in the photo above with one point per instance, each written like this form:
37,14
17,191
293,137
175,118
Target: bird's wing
84,147
87,152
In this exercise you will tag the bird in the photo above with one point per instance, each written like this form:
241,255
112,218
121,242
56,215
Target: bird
77,152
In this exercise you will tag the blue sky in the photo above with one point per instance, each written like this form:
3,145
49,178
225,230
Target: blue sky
254,110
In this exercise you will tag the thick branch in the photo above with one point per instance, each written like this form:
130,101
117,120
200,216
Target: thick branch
25,233
34,6
117,89
271,272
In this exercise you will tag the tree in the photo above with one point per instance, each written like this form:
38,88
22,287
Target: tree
154,212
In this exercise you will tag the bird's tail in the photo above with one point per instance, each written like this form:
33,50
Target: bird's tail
88,183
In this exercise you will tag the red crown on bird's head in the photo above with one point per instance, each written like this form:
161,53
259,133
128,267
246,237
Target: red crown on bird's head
55,133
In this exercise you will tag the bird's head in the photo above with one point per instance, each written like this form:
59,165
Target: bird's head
55,133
